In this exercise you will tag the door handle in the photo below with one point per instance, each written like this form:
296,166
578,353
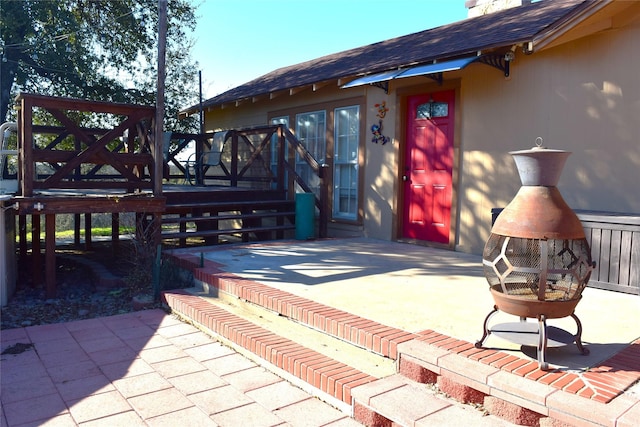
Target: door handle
405,178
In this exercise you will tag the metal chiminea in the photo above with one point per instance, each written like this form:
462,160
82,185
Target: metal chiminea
537,260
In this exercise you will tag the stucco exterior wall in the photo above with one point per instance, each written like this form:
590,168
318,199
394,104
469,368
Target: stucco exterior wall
380,183
583,97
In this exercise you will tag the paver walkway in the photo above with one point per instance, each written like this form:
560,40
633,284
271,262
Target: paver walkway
143,368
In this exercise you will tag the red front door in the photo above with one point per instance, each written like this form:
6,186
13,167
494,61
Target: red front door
428,168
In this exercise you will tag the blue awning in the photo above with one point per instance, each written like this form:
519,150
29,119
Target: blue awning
418,70
438,67
373,78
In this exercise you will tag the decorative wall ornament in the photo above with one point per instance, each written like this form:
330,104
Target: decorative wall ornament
376,130
382,109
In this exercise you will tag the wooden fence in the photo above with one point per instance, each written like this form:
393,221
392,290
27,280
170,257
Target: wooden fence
615,247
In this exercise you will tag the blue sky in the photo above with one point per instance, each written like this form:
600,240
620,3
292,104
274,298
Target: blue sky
239,40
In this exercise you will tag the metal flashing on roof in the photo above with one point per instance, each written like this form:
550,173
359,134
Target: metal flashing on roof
438,67
380,80
433,71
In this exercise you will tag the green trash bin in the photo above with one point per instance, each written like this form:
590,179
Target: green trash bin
305,216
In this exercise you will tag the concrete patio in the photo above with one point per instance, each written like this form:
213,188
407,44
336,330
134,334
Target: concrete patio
415,288
428,304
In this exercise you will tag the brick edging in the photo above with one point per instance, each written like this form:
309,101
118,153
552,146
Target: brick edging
368,334
602,383
322,372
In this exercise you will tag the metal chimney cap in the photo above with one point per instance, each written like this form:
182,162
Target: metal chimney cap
534,150
538,148
539,165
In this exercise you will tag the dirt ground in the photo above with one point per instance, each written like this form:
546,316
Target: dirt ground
78,294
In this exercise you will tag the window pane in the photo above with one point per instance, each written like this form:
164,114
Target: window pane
432,109
311,132
346,138
310,129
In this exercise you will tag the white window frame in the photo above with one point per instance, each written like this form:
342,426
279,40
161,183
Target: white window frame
348,188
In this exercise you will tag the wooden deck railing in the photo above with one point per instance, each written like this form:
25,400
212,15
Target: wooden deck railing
108,146
259,157
97,145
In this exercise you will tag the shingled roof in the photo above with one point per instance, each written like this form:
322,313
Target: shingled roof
505,28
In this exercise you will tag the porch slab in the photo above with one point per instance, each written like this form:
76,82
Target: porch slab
416,288
439,299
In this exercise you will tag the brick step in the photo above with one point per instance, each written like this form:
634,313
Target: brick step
367,334
510,387
321,370
398,400
348,377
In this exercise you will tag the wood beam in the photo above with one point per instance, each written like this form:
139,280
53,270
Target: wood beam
297,90
318,86
50,255
36,261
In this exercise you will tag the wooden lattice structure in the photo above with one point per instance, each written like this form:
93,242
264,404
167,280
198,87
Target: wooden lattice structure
102,157
99,158
79,153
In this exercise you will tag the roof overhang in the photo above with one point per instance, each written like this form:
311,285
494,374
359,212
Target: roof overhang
558,31
433,70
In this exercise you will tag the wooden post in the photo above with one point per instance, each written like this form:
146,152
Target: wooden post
35,249
22,232
324,200
281,148
26,168
183,229
87,231
158,139
115,232
139,233
76,229
291,159
50,254
159,118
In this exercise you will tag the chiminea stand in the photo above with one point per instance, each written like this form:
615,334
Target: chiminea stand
534,334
